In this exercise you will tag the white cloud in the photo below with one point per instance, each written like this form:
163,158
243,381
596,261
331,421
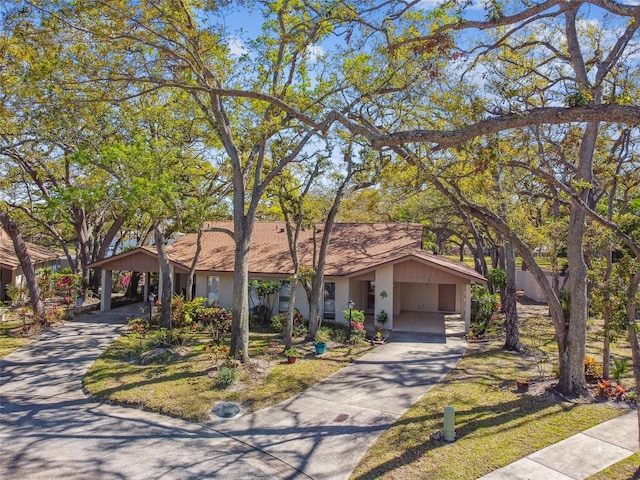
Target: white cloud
236,46
314,52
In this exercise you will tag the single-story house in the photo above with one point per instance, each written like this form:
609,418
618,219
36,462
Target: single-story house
10,269
377,266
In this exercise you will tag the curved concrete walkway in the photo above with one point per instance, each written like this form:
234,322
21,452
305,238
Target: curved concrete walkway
50,429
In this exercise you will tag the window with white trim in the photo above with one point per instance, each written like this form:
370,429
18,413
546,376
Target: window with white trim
213,289
284,296
329,311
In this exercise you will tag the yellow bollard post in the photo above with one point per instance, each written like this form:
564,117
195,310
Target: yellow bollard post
449,424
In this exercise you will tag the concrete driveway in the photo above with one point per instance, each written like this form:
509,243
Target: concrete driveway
50,429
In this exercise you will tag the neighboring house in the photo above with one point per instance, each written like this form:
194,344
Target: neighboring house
10,270
378,266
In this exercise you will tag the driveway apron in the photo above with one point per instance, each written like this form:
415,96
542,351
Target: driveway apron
50,429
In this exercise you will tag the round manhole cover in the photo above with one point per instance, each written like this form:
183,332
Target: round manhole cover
226,410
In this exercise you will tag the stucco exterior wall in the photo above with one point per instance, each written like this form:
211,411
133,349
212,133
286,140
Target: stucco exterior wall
225,288
527,283
342,298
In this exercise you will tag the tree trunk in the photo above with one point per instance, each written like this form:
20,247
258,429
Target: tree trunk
192,269
632,310
635,352
132,288
317,292
572,381
288,331
606,346
83,236
479,261
165,274
315,298
24,258
509,305
240,323
95,274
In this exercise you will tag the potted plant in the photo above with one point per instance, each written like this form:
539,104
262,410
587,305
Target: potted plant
382,317
320,342
522,385
291,354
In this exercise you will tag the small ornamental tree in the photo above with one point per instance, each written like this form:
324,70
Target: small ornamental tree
264,290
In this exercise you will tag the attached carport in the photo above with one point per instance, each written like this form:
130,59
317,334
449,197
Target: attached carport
428,287
143,260
419,291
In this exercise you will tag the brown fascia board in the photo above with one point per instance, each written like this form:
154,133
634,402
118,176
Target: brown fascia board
6,266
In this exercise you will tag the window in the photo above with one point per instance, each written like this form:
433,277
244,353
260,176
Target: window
371,295
213,289
254,300
283,297
330,300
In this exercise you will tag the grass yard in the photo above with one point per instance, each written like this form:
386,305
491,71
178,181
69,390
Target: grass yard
544,262
10,337
628,469
183,384
495,424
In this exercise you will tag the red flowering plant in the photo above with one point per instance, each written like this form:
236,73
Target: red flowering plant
357,325
607,389
355,318
67,286
273,349
217,353
123,280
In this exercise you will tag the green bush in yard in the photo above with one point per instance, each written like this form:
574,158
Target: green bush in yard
226,376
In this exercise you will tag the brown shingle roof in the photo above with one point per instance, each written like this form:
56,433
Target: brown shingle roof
38,254
354,248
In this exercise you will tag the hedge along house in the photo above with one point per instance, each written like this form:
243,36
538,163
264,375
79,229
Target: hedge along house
377,266
10,269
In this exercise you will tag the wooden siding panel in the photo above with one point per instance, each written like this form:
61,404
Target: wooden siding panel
135,263
412,271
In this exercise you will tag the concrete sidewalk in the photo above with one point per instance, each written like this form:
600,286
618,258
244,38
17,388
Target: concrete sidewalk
577,457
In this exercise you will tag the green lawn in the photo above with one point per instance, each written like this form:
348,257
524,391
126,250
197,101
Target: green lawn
10,337
628,469
495,424
183,385
543,262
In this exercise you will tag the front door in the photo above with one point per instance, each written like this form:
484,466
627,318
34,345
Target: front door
446,297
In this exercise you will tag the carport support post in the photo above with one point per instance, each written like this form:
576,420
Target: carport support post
147,281
466,312
449,424
384,294
105,296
